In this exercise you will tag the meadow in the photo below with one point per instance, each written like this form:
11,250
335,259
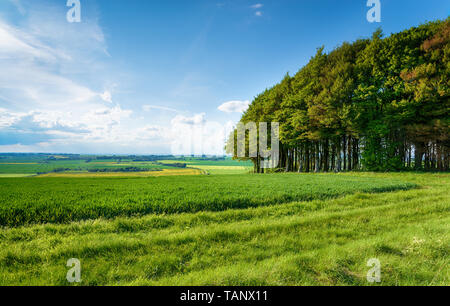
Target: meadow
152,173
227,166
214,223
64,199
32,168
306,239
68,166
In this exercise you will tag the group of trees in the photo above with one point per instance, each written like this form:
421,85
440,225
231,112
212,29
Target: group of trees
379,104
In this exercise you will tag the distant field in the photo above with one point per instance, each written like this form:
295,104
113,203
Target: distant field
14,174
164,172
227,166
57,200
31,165
223,169
228,162
18,164
43,166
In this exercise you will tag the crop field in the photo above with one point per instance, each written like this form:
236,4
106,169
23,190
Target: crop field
236,229
62,166
33,168
228,162
223,169
214,223
163,172
57,200
28,166
14,175
227,166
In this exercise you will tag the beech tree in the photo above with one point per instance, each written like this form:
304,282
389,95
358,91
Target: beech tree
378,104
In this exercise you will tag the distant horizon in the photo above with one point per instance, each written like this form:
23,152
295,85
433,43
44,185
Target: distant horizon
134,77
113,154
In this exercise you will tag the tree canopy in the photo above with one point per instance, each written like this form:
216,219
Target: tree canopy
378,104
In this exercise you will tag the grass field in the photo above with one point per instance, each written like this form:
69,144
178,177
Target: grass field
164,172
58,200
325,241
223,169
16,166
29,165
3,175
227,166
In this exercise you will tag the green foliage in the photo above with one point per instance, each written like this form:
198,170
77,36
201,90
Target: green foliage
375,104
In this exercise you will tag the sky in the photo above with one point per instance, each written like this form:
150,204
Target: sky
162,77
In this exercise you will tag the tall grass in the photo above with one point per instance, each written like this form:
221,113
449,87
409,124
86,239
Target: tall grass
321,242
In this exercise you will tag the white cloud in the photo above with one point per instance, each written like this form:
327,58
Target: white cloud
104,117
12,46
8,118
18,148
106,96
148,108
194,120
196,135
46,83
45,61
35,87
56,95
234,106
257,6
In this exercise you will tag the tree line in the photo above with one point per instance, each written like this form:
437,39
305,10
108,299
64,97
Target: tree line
378,104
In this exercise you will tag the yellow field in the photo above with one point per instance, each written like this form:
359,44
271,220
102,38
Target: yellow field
174,162
223,169
18,163
212,169
14,175
104,163
165,172
60,157
125,164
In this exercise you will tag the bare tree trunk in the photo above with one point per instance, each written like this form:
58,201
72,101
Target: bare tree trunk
317,164
339,157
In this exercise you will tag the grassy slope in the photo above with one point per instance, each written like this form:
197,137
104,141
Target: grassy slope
59,200
323,242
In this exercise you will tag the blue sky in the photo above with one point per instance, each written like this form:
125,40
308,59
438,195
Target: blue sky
147,76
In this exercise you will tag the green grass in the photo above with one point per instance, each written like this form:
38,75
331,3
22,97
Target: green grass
202,162
10,175
320,242
32,164
58,200
212,167
19,167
